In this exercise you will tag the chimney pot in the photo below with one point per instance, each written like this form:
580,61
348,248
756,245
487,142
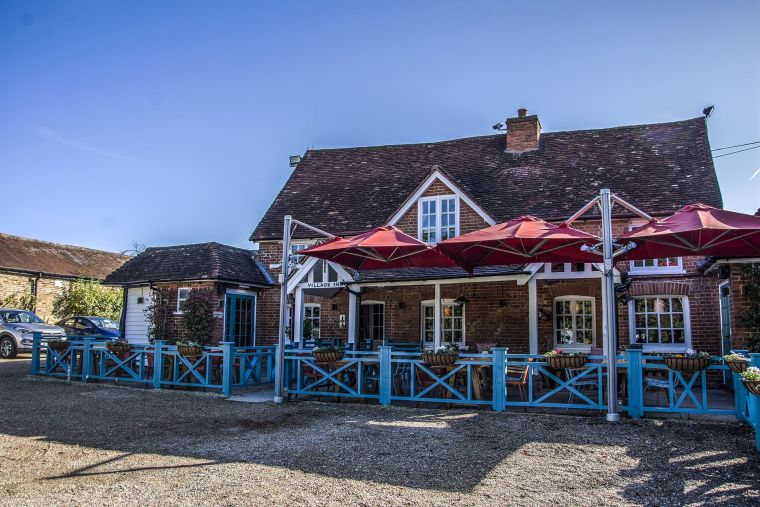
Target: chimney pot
522,112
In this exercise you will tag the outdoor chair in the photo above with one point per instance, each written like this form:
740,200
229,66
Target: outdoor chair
586,382
520,377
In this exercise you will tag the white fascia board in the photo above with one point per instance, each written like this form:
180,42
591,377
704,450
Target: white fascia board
436,175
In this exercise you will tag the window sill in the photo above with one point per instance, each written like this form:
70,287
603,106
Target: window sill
660,272
665,349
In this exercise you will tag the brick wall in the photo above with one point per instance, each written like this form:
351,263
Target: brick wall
740,335
170,292
47,291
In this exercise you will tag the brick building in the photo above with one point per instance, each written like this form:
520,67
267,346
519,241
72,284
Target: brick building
434,191
29,267
233,275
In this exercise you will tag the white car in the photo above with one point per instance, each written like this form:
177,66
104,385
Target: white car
17,328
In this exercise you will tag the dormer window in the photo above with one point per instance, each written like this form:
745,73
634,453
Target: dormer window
438,218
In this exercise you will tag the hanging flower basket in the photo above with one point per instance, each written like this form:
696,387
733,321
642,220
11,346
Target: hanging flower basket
444,359
58,345
751,380
690,362
190,351
752,386
558,360
737,363
118,347
327,355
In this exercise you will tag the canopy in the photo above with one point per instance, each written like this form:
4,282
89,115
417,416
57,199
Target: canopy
697,229
381,248
518,241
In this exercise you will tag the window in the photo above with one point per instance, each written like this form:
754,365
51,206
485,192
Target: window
182,295
311,321
574,321
438,218
661,321
296,259
372,321
655,266
452,322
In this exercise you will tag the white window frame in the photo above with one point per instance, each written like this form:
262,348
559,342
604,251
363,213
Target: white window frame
296,259
303,319
574,346
179,298
437,199
658,347
654,270
444,302
382,303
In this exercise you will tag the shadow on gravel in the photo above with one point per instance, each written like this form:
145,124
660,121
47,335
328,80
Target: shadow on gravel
450,450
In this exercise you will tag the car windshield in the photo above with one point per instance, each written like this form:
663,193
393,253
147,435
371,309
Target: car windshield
104,323
19,317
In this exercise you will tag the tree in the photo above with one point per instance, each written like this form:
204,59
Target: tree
157,314
88,297
198,315
19,300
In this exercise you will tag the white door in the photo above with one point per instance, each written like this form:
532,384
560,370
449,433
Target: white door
135,322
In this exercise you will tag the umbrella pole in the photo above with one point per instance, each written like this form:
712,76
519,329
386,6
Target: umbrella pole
610,323
279,369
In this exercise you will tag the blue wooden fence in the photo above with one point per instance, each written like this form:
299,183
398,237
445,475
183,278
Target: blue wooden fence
223,367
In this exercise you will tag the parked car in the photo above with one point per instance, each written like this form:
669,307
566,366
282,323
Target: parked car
82,325
16,329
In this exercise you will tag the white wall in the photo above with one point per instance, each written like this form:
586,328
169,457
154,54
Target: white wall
136,325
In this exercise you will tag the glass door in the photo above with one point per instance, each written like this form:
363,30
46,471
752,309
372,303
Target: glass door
240,319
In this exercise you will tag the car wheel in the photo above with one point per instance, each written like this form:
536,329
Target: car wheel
7,348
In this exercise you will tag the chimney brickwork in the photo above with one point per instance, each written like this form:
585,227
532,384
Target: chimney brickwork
523,132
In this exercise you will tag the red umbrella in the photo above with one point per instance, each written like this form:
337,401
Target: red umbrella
381,248
521,240
697,229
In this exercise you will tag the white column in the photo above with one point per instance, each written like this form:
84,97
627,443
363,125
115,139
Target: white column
353,302
298,316
532,316
437,317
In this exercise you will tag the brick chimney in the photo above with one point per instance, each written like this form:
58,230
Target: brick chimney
523,132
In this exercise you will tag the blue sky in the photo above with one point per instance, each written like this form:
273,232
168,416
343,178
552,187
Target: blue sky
169,122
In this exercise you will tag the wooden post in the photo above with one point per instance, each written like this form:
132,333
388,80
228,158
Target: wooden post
228,355
635,383
158,363
36,339
499,373
86,358
385,375
754,403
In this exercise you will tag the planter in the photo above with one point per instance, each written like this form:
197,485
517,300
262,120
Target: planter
737,366
566,362
327,356
58,345
118,348
190,351
752,386
687,364
446,359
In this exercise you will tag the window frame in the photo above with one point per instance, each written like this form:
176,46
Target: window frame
654,270
438,199
575,345
180,300
660,347
430,303
373,303
319,320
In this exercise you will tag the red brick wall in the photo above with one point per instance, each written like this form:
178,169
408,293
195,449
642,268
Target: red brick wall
740,335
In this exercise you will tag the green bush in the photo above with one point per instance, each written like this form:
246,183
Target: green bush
751,316
19,300
88,297
198,316
158,315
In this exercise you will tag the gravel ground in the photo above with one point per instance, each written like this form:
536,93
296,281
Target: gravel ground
104,445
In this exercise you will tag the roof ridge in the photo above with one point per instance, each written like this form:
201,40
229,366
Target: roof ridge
66,245
623,127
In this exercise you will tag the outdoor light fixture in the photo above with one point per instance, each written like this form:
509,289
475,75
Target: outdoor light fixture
461,300
294,160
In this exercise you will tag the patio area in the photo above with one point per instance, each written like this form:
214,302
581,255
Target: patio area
95,444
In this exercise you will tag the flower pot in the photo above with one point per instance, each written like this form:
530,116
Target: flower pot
565,362
58,345
118,348
752,386
327,356
687,364
445,359
737,366
190,351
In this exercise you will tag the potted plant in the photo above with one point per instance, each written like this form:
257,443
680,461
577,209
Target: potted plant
117,346
737,363
690,362
560,360
326,354
751,379
58,344
445,355
190,349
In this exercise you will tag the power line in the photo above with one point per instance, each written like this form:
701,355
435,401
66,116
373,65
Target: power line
735,152
737,146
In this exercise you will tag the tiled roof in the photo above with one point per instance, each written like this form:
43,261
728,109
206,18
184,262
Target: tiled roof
202,261
35,256
408,274
658,168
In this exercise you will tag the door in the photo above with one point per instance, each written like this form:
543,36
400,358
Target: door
135,320
240,319
725,324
